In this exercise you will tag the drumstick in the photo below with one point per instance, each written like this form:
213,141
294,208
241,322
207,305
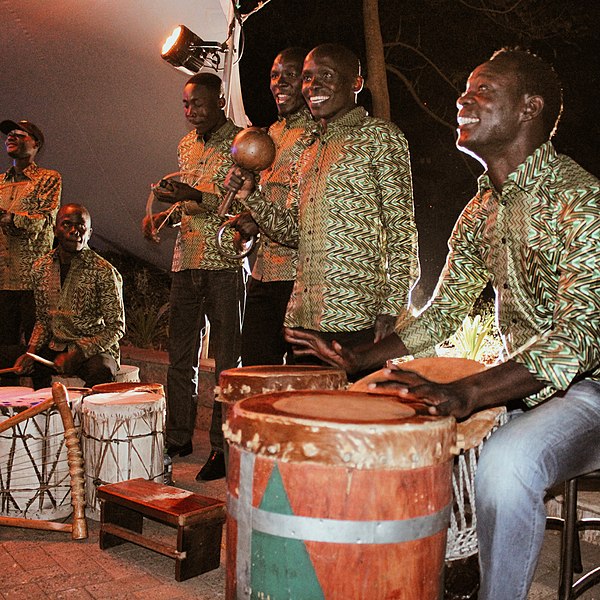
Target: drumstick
40,359
9,370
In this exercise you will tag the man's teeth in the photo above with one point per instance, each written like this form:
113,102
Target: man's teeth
467,120
281,98
318,99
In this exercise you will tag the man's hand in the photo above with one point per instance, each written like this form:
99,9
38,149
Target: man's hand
240,181
384,325
171,192
442,399
23,365
310,343
67,363
151,224
244,224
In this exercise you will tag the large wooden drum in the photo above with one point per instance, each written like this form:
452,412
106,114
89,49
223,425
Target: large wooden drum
336,495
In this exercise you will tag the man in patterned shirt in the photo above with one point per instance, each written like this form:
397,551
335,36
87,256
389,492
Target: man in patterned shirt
533,231
29,200
205,283
274,270
79,307
350,210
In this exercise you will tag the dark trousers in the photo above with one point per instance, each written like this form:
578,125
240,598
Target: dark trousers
197,295
17,317
262,333
100,368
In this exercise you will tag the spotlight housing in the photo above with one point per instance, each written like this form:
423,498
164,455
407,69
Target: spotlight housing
188,52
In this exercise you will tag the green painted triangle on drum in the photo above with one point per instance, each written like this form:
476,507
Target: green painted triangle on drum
281,568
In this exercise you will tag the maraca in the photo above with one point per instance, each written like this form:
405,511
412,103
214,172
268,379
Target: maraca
253,150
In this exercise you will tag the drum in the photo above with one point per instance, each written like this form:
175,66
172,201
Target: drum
471,435
336,495
122,438
34,473
128,386
236,384
126,373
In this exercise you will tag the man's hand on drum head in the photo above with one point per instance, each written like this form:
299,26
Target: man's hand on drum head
310,343
442,399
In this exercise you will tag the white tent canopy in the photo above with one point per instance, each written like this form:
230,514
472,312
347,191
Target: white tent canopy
90,75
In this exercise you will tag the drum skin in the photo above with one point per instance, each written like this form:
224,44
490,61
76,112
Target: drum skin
336,495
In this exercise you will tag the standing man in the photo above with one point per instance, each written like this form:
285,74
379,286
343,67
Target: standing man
29,200
533,231
350,210
79,305
274,271
205,283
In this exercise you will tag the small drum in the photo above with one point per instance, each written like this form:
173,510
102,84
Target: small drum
336,495
471,434
236,384
128,386
34,473
122,438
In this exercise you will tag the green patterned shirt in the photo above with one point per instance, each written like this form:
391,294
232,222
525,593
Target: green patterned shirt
350,211
86,312
204,166
33,199
274,261
538,243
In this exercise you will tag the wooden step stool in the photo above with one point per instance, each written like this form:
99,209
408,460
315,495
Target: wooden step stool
198,519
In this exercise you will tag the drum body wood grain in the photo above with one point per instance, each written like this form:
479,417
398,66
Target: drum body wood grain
336,495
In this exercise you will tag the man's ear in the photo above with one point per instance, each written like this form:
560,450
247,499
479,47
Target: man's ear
358,84
221,102
534,105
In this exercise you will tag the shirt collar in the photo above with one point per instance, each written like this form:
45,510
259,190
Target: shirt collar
528,173
84,255
29,171
301,118
224,132
348,121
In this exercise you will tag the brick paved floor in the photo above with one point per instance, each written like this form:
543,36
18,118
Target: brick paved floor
36,565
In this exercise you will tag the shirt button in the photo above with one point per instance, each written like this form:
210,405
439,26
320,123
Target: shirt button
514,321
305,290
311,199
503,202
503,240
505,286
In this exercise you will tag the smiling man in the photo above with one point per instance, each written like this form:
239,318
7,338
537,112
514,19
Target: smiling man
205,284
29,200
350,210
274,269
79,307
533,231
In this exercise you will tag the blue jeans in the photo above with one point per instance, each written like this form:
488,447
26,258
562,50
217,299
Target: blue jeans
533,452
197,295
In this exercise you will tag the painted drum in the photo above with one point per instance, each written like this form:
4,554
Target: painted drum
128,386
336,495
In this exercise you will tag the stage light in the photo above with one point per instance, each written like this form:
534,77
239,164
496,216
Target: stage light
188,52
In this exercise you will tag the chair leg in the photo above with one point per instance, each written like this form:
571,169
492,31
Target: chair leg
569,543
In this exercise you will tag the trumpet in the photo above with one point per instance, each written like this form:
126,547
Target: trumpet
253,150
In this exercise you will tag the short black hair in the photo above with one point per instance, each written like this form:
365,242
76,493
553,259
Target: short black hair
537,77
208,80
342,55
294,52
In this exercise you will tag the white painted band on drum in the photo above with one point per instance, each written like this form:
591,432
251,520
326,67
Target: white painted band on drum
336,531
244,525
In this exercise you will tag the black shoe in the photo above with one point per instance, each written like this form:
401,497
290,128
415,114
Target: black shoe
175,450
214,468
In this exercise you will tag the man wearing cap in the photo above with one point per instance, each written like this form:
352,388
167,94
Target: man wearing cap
29,200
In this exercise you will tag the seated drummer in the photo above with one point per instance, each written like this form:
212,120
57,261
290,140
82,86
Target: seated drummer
79,307
533,231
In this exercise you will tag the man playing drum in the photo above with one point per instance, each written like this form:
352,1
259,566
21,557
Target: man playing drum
79,307
533,230
350,210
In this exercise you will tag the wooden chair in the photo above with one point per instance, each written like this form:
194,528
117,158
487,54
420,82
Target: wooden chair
570,555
